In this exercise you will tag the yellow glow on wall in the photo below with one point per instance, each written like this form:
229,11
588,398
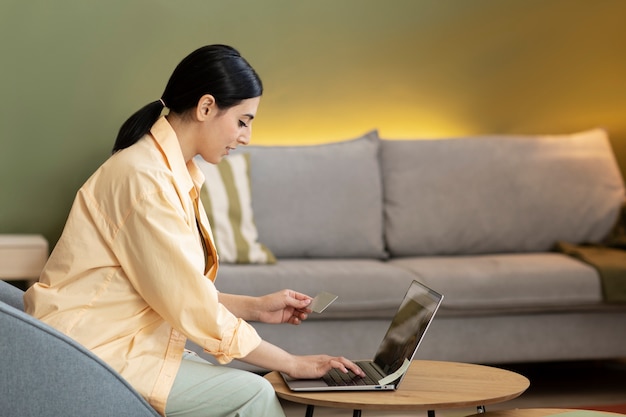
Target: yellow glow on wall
389,126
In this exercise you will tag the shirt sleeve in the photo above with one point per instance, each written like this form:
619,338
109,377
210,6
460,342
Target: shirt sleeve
163,258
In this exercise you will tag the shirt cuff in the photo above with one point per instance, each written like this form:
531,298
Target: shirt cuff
244,339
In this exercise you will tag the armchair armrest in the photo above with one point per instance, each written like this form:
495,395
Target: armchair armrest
46,373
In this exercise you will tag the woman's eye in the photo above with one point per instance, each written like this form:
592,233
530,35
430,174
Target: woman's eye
242,124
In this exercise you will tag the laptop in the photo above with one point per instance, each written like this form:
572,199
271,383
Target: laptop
394,355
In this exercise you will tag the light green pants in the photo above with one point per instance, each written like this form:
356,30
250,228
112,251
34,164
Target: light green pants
202,389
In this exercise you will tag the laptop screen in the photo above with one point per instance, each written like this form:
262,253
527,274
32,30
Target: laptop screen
407,327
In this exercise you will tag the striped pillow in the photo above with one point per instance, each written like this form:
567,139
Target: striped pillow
227,200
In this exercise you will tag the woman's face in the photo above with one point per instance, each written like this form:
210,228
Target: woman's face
226,129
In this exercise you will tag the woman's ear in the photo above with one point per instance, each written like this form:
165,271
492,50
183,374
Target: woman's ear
205,106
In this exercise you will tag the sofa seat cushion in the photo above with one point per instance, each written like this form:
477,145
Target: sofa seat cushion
513,282
366,288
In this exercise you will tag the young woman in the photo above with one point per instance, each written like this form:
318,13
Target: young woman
132,276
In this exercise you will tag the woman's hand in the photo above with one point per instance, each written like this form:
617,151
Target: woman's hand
286,306
272,357
315,366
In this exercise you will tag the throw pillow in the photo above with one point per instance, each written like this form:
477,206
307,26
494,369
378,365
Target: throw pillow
227,200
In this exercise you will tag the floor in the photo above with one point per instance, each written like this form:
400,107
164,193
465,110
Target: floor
552,385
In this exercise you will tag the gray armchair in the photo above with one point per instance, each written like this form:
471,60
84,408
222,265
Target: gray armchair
45,373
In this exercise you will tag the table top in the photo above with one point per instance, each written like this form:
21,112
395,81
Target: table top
428,385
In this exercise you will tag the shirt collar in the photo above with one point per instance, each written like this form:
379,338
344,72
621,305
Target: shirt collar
188,175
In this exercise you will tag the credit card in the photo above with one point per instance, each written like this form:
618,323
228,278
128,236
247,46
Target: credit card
321,301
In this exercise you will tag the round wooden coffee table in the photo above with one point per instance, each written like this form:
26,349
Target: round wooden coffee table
428,385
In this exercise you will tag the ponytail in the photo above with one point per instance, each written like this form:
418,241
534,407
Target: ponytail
138,125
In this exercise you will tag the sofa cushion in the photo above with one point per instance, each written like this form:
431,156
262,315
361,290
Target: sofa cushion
498,194
226,199
322,201
508,282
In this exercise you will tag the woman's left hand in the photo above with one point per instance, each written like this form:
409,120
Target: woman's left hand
286,306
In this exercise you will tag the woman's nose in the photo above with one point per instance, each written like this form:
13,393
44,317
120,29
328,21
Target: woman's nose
244,139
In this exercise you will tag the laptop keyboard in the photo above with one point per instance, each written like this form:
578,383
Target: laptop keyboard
335,377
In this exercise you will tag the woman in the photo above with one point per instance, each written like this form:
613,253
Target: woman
131,277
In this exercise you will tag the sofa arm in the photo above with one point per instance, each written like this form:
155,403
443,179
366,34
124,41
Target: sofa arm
11,295
45,373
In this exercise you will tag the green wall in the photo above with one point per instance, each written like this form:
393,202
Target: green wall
73,70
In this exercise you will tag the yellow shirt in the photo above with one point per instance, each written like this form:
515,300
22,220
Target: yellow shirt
128,277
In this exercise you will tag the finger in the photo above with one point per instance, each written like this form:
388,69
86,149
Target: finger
295,320
348,365
356,370
300,316
338,364
301,296
302,312
302,300
301,306
297,300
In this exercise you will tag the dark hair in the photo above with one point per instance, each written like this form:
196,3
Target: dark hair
218,70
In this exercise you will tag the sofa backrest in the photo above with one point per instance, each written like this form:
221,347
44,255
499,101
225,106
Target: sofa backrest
322,201
498,194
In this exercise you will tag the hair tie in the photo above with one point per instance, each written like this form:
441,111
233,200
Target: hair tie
162,102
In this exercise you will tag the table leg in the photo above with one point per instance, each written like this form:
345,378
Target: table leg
309,410
356,413
481,409
431,413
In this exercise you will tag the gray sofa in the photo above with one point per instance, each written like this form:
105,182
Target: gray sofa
474,218
46,374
